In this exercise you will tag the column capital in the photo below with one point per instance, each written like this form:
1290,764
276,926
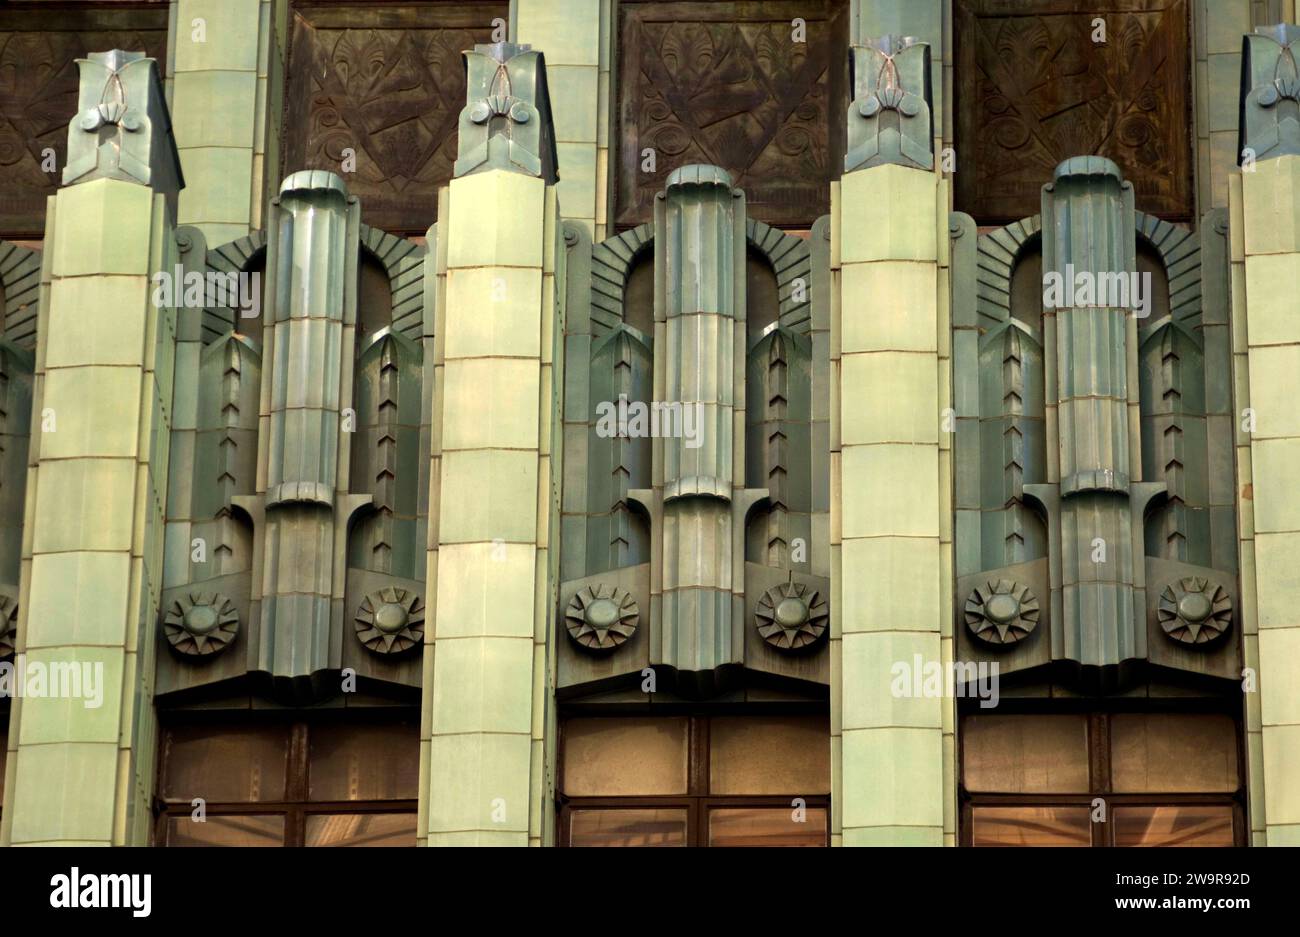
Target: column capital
1269,123
506,122
122,128
890,117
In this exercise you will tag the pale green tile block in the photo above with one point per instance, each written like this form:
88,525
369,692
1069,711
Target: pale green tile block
1277,578
568,31
218,188
491,402
78,598
493,311
185,395
486,589
888,213
577,186
1271,206
1225,82
1282,836
1225,22
574,90
481,838
220,234
1273,369
46,807
885,680
1276,474
890,490
84,504
83,695
1223,164
471,777
103,227
889,307
888,397
230,34
1281,768
214,108
483,685
894,836
1279,679
487,495
891,583
893,777
496,219
97,320
1273,304
96,412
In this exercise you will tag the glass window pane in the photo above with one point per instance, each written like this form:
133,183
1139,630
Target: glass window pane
1025,754
361,829
365,762
261,830
1173,826
225,765
1030,826
766,826
770,755
650,826
1173,753
632,755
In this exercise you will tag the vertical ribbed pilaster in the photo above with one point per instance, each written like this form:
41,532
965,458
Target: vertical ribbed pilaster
1089,248
311,266
699,309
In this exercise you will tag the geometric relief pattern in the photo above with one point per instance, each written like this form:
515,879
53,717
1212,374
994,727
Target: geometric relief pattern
38,94
1037,90
726,84
387,83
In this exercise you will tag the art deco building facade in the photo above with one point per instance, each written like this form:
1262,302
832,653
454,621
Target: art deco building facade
642,422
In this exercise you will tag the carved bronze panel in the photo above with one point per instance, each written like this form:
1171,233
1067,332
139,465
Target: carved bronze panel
728,84
388,83
39,48
1034,88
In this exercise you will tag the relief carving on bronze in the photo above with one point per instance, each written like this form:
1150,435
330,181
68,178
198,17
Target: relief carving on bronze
386,84
730,84
1035,87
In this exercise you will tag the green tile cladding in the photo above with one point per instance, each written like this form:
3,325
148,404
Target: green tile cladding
401,473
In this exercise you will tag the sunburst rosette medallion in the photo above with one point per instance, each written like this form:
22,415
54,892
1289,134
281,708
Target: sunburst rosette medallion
8,624
391,621
1194,610
601,618
201,624
1002,611
791,616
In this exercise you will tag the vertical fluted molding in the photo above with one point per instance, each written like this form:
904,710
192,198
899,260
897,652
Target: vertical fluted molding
311,262
699,306
1088,225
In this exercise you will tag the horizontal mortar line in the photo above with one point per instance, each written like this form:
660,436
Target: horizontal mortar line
530,638
453,269
928,352
536,357
528,734
934,537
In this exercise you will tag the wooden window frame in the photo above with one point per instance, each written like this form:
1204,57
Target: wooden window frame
697,801
1099,777
295,807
